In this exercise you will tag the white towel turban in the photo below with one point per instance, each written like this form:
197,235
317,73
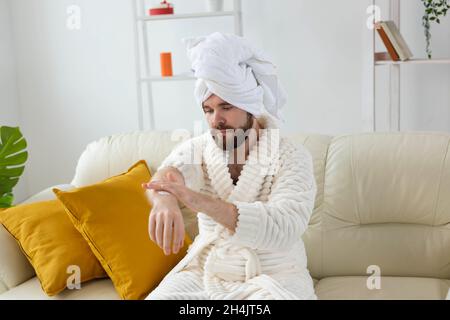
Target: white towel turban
231,68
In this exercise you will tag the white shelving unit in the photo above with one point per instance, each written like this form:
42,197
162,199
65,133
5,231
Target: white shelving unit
371,62
144,75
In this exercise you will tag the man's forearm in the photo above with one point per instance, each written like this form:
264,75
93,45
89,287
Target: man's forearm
222,212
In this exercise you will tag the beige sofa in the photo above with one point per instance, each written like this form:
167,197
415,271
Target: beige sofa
380,227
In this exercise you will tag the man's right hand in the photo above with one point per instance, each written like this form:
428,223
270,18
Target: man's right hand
166,222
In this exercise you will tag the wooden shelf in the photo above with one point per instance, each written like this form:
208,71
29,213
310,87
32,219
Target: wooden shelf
186,15
413,61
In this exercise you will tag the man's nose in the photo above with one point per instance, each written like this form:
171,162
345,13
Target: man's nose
218,120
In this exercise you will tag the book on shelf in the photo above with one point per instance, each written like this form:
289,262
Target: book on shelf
387,43
382,56
393,41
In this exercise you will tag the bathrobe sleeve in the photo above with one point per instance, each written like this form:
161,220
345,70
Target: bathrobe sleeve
187,158
279,222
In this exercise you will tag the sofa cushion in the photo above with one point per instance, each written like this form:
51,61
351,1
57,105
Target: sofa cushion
391,288
385,203
113,218
92,290
14,265
52,244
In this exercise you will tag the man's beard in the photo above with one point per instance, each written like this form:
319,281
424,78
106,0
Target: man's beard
234,137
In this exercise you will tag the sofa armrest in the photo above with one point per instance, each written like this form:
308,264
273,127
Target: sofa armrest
14,266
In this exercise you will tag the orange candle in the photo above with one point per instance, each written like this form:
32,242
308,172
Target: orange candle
166,64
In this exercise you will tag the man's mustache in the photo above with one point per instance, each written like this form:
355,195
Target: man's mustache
224,128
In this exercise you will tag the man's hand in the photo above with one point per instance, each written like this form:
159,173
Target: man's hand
166,220
221,211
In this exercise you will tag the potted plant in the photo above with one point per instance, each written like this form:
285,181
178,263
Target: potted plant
434,10
12,159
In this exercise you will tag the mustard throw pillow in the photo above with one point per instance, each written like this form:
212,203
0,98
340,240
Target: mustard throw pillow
113,218
55,249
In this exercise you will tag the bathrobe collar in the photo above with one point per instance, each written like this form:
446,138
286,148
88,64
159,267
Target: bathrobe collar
258,164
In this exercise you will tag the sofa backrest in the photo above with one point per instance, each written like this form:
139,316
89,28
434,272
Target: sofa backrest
386,203
114,154
383,199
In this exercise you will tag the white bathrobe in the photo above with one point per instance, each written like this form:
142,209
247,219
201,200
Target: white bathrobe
265,258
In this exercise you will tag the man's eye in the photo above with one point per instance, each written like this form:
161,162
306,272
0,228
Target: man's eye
207,110
226,107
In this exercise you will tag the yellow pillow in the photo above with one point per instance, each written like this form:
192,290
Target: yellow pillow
52,244
113,218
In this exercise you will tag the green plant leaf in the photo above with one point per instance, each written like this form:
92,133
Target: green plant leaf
12,159
11,140
6,184
6,200
11,172
12,148
15,159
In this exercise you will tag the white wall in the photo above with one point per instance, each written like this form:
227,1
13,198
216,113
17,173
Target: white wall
318,54
8,90
76,86
9,111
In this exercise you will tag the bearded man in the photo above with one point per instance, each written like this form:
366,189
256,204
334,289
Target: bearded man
253,190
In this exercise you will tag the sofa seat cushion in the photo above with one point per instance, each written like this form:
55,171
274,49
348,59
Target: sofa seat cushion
99,289
391,288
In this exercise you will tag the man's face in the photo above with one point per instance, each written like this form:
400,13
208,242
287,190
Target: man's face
228,124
